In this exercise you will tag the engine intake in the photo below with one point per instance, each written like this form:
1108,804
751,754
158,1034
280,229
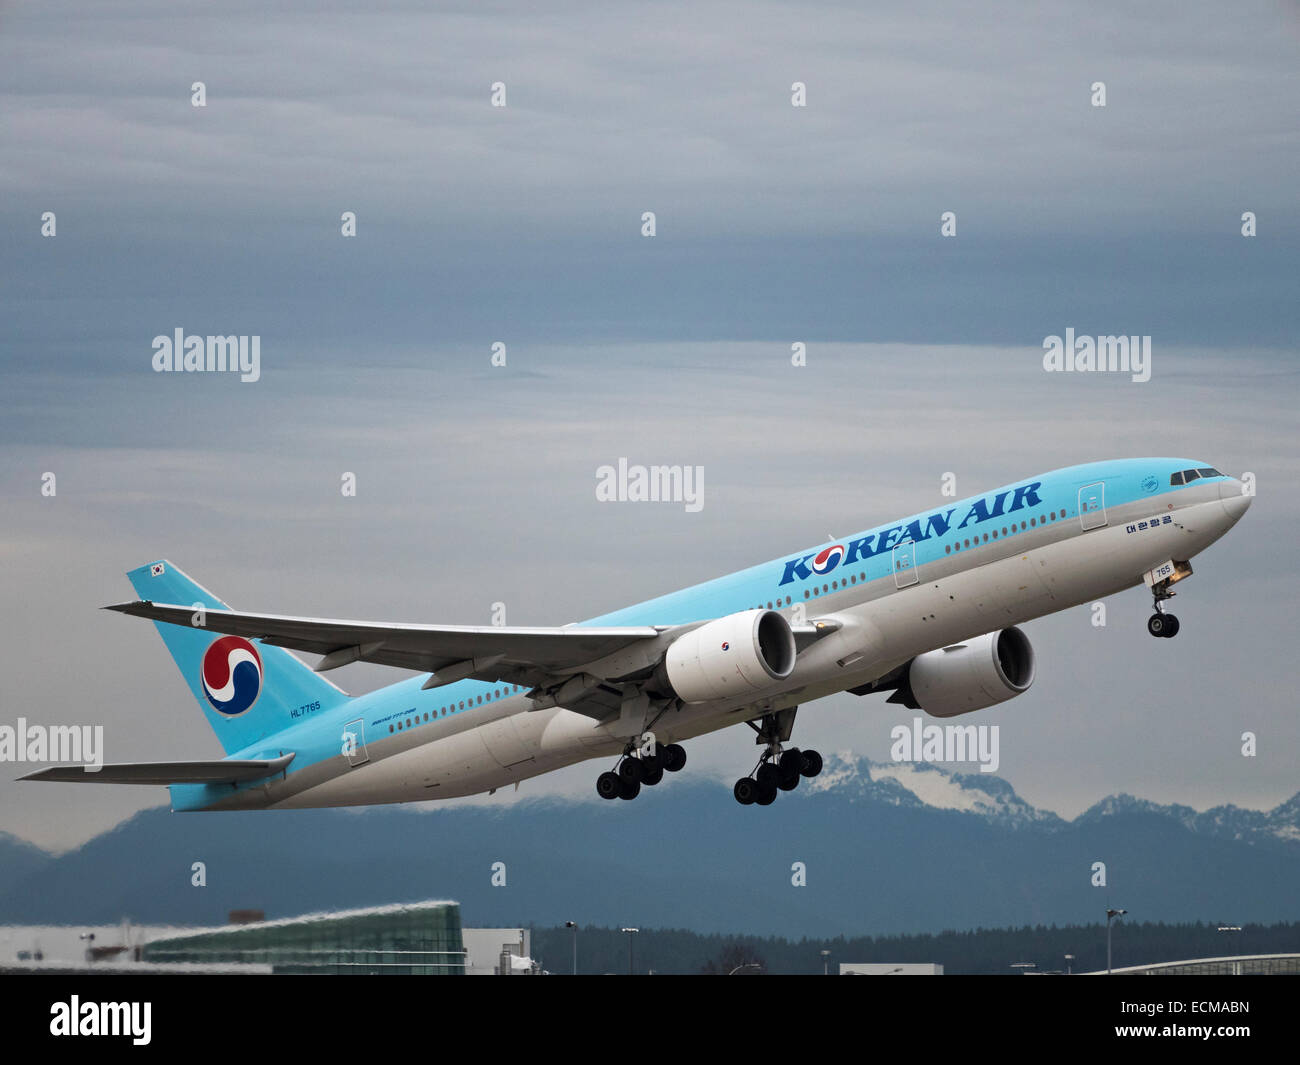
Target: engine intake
974,675
733,656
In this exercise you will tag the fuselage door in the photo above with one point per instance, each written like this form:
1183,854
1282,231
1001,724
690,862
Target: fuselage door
1092,505
354,742
905,564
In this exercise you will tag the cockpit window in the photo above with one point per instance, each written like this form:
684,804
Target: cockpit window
1176,478
1191,475
1209,471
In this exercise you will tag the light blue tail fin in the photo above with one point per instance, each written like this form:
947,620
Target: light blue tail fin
246,689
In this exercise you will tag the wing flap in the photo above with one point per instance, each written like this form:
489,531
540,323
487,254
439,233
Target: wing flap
222,771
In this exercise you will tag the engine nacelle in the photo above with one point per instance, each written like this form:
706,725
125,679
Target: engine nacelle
736,655
970,676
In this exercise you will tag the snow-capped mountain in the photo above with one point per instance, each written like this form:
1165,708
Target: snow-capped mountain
922,784
865,847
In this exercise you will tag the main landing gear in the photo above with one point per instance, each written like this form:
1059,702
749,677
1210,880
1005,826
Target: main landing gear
778,769
636,768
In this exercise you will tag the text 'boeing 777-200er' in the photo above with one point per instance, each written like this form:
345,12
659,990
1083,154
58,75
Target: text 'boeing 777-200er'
925,607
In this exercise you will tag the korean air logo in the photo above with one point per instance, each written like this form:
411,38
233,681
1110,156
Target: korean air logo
827,559
231,675
1150,484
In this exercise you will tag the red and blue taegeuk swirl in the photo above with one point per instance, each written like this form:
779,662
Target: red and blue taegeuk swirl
231,675
827,559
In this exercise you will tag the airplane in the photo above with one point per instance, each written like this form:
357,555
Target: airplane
926,607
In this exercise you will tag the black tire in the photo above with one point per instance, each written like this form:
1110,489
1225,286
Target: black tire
768,777
653,761
1171,626
766,797
652,777
745,791
812,763
790,762
631,789
631,771
674,757
609,786
1157,624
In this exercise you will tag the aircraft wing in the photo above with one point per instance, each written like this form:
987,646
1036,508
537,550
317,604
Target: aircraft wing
228,771
451,652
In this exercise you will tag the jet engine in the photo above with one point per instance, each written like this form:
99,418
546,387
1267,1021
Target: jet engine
733,656
970,676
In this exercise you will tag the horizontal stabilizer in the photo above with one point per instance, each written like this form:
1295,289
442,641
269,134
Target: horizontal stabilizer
228,771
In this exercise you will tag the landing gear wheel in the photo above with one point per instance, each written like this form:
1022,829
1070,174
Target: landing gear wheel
745,791
631,771
609,786
766,796
649,763
789,781
631,789
768,777
652,777
1162,624
674,757
812,763
790,762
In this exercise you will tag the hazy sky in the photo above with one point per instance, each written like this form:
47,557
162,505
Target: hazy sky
522,224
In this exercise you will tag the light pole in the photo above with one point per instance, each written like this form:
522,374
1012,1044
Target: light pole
826,965
1069,965
573,925
1236,965
630,933
1110,916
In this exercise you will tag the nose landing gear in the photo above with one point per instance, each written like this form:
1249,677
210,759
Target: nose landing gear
1160,580
1162,624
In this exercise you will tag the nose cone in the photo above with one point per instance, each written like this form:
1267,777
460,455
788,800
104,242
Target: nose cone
1234,499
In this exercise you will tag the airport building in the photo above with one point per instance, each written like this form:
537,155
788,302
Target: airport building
416,939
410,939
1238,965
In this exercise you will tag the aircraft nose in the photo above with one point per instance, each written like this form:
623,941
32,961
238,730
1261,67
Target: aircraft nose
1234,499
